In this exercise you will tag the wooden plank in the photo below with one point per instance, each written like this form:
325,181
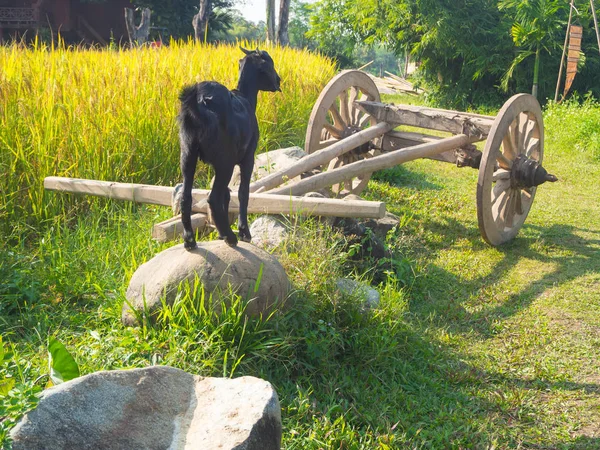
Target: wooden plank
172,229
434,119
396,140
319,157
371,165
258,204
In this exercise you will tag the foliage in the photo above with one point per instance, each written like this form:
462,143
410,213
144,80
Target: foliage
484,348
62,116
465,49
329,30
537,26
61,363
242,30
173,19
582,135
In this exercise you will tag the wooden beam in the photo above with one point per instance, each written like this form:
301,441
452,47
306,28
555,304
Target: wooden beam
172,228
320,157
396,140
434,119
258,204
371,165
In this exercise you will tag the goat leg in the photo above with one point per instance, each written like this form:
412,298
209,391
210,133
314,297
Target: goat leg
246,167
188,168
218,200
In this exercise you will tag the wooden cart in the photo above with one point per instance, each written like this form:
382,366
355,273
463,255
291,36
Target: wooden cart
510,169
351,134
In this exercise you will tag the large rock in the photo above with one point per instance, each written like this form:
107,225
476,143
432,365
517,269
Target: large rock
156,408
218,267
270,162
368,296
269,232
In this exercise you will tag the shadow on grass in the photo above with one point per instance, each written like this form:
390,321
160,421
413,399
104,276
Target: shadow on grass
390,379
571,256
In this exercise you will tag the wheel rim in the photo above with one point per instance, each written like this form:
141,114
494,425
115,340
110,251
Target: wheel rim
334,117
503,206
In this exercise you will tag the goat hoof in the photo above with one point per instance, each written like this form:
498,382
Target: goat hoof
231,241
246,238
190,245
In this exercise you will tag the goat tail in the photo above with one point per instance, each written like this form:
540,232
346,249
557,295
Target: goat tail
195,115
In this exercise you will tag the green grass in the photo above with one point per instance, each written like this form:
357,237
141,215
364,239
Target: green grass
471,347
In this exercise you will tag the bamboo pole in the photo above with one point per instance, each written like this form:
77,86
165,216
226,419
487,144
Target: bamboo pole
595,23
258,204
562,58
380,162
320,157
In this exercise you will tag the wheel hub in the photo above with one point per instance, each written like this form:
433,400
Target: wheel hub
527,173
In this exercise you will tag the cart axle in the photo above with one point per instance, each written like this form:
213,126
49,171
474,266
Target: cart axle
527,173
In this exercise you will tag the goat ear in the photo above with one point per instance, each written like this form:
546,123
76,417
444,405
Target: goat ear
247,52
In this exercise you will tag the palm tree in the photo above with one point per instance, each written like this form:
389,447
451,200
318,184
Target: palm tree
537,26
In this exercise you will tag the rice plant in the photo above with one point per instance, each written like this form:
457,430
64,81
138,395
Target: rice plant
110,114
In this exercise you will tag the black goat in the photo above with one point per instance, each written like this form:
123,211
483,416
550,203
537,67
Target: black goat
219,127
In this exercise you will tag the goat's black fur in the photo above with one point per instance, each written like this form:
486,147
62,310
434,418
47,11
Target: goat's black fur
219,127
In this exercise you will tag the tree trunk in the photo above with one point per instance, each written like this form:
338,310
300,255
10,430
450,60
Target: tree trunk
200,21
138,35
536,72
271,37
284,14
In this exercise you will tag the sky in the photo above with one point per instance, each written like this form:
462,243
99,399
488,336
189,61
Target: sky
254,10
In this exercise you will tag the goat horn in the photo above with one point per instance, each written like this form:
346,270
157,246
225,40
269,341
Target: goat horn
247,52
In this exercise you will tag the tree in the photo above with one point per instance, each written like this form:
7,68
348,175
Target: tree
282,29
299,25
278,34
200,20
173,18
137,34
271,37
538,26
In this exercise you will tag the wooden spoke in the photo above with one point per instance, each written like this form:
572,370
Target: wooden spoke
523,123
533,149
336,104
519,203
528,134
499,187
333,130
514,133
504,162
343,97
509,213
363,120
327,143
501,174
354,111
502,209
338,122
354,185
510,152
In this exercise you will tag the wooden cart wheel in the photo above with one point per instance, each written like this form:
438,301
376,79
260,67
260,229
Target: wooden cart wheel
334,117
503,202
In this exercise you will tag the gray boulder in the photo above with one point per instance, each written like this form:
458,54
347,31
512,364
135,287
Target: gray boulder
155,408
269,232
270,162
219,268
363,292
